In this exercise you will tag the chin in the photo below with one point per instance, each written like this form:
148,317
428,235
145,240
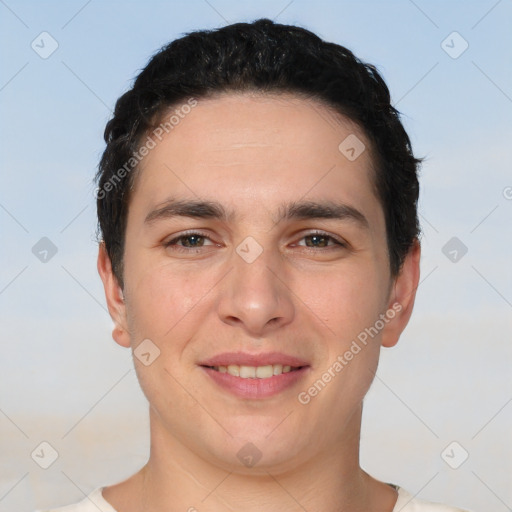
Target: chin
257,449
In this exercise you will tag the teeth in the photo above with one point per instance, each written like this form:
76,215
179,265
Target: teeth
254,372
234,369
248,372
264,372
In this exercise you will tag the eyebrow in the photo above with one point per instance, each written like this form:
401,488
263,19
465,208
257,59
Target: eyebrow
187,208
304,210
295,210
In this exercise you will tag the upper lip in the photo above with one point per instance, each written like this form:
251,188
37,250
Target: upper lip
245,359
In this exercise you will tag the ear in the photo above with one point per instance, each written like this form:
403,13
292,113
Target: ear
114,296
401,299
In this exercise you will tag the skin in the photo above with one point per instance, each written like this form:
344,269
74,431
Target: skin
251,153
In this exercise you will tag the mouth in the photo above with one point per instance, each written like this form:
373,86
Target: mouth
255,372
255,376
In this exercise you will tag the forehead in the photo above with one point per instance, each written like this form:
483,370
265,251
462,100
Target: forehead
254,150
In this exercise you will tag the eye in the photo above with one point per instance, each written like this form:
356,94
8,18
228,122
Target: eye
319,240
187,242
191,240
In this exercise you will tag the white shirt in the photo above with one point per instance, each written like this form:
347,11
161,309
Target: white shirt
95,502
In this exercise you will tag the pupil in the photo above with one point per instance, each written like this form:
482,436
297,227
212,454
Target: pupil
315,239
192,240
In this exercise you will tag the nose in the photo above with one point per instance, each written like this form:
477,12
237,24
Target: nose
255,296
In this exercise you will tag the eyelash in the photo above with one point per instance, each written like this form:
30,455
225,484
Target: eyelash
337,244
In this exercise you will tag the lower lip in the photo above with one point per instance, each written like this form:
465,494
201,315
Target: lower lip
256,388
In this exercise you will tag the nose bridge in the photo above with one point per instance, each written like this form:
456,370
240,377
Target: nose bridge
253,296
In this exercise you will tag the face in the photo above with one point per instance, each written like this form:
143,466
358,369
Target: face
255,261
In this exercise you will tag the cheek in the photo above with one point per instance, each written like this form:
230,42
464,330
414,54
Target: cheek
161,297
346,301
165,306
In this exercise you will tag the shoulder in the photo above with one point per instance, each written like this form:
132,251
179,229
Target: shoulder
408,503
94,502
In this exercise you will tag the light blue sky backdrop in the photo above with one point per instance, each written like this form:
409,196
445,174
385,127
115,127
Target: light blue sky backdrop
450,372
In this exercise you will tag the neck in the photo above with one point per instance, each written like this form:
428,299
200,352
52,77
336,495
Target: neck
176,478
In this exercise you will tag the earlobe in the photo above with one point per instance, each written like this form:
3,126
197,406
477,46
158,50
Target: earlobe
402,296
114,296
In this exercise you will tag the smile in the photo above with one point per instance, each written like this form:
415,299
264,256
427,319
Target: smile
255,372
256,382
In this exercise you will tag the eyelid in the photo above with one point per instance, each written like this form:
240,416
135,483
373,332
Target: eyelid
176,237
337,240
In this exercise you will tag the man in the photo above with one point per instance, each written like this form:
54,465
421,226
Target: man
257,205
